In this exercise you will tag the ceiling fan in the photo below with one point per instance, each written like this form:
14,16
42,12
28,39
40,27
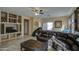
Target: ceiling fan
37,11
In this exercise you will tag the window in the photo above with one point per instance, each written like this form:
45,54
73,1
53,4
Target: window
48,26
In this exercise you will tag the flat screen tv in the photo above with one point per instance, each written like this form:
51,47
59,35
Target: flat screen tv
10,30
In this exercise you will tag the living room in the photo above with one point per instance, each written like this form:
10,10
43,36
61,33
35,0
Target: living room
20,24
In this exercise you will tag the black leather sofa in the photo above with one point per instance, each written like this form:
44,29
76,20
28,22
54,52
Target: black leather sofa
68,39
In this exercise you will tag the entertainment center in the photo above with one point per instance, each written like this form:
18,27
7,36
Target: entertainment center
10,26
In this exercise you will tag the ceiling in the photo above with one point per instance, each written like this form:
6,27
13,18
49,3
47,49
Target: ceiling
48,11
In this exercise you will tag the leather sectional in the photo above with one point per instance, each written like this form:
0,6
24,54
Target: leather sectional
60,41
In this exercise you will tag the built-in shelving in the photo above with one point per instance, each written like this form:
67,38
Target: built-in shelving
9,20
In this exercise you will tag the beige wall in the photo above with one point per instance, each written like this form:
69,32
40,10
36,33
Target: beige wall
64,20
36,23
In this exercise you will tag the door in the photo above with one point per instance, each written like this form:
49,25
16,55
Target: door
26,27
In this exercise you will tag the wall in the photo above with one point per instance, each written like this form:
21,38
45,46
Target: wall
64,20
36,23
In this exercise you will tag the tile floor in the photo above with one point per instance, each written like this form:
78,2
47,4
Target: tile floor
14,45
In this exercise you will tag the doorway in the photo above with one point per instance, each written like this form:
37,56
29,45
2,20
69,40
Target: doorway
26,27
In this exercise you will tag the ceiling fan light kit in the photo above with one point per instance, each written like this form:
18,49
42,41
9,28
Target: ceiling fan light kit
37,11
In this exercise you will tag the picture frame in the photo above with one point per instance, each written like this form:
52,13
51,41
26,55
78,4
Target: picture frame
58,24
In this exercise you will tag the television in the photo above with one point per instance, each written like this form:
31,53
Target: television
10,30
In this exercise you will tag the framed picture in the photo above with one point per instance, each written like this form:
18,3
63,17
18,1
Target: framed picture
58,24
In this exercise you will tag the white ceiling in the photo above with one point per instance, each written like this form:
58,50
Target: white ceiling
48,11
